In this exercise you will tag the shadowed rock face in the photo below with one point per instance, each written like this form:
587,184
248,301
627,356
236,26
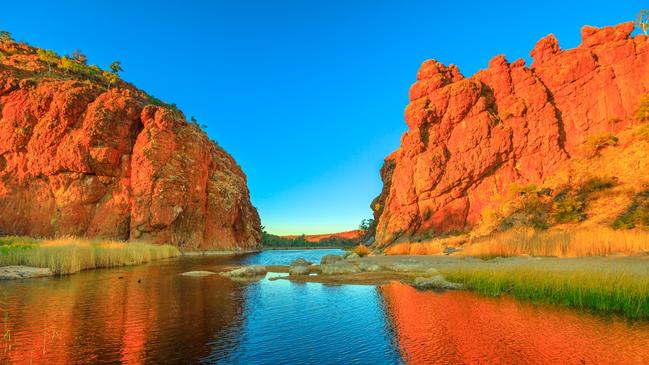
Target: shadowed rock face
78,159
469,139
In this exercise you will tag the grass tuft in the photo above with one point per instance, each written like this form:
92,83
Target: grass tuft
69,255
584,287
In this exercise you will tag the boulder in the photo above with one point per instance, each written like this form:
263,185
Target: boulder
300,261
370,266
299,270
252,271
330,259
435,282
338,268
23,272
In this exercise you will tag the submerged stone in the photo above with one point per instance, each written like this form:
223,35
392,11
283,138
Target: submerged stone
435,282
23,272
246,272
198,273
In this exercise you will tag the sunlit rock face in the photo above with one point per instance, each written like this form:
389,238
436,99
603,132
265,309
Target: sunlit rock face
469,139
79,159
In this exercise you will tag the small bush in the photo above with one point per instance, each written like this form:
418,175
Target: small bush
596,184
570,210
362,250
637,215
598,141
643,132
642,114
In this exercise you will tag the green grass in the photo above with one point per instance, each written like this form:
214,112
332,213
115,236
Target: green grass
70,255
585,286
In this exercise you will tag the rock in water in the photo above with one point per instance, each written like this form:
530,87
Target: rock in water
470,139
198,273
369,266
78,159
330,259
246,272
435,282
299,270
300,261
337,268
23,272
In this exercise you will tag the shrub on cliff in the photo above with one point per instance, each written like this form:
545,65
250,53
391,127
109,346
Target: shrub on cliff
594,143
643,132
362,250
71,66
642,114
636,215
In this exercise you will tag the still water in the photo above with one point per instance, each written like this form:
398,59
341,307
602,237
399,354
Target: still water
107,316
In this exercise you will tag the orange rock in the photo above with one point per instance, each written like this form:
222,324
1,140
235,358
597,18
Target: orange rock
77,159
470,138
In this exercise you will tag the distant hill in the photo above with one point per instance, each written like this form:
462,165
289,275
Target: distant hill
348,235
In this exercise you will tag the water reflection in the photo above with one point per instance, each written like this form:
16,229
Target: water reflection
108,316
459,327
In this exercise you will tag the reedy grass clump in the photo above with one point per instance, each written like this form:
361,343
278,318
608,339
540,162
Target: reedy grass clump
586,287
69,255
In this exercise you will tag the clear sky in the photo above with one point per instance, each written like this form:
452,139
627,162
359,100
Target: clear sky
308,96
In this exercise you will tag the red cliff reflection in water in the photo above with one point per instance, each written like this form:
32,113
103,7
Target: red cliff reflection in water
460,327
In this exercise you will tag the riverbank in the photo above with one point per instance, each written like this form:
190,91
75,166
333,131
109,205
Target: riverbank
69,255
613,284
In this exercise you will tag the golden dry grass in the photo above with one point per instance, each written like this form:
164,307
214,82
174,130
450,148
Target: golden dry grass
69,255
586,241
362,250
415,248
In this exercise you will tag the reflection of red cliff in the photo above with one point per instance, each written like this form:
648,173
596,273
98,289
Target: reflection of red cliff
77,159
470,138
460,327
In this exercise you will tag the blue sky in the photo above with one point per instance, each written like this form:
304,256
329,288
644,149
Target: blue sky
308,96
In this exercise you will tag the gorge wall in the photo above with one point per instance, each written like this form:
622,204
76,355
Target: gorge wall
470,139
80,158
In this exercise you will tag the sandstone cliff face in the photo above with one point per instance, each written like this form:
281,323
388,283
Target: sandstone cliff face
470,139
79,159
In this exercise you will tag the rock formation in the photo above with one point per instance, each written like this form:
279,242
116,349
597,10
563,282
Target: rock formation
470,139
80,158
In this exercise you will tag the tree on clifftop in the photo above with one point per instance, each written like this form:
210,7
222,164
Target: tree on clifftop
113,75
116,67
5,36
643,21
79,57
48,56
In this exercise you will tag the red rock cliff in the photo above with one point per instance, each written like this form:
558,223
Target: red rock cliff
79,159
469,139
